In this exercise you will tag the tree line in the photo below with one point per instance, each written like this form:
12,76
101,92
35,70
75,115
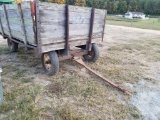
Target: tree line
117,6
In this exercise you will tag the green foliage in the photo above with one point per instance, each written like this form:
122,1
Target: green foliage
117,6
80,2
122,7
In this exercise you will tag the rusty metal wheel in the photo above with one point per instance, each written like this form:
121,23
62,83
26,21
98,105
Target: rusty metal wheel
50,63
13,46
92,55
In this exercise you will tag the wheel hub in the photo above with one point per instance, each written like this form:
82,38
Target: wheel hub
47,61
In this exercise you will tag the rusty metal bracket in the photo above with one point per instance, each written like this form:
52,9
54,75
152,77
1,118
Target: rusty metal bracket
37,20
89,42
67,46
80,61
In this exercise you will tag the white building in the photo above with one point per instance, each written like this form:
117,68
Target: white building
131,15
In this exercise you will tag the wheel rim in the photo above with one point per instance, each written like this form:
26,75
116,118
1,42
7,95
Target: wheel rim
10,44
47,62
90,54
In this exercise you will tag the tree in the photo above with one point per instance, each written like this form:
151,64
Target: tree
122,7
57,1
80,2
115,6
133,5
96,3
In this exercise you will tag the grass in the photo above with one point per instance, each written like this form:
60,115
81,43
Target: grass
3,49
19,103
70,95
152,23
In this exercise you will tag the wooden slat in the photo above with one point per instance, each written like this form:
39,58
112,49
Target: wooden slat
7,30
29,30
11,6
48,40
17,34
14,21
58,46
51,6
25,5
28,22
58,32
27,13
13,13
52,19
15,27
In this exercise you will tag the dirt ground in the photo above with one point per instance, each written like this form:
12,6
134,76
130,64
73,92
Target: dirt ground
129,57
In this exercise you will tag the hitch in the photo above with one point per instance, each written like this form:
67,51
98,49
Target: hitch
80,61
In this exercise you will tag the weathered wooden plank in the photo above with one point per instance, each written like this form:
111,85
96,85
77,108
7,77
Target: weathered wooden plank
16,21
14,13
25,5
56,16
15,27
27,13
51,47
52,19
78,20
51,6
78,9
8,32
17,35
52,15
28,22
1,8
5,29
49,40
1,13
29,30
11,6
59,30
1,19
30,39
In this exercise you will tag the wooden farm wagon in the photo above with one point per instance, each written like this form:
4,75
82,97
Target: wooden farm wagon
56,31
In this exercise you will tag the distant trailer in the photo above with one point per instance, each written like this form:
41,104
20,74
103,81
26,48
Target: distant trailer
54,30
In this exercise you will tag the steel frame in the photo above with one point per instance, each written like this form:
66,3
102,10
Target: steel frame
89,42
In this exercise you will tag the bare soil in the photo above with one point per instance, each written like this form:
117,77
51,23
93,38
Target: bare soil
129,57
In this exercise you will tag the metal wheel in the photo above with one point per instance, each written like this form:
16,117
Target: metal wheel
50,63
93,55
13,46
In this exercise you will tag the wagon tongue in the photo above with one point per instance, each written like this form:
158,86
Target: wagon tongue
80,61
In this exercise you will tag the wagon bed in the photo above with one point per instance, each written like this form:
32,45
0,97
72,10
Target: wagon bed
53,30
